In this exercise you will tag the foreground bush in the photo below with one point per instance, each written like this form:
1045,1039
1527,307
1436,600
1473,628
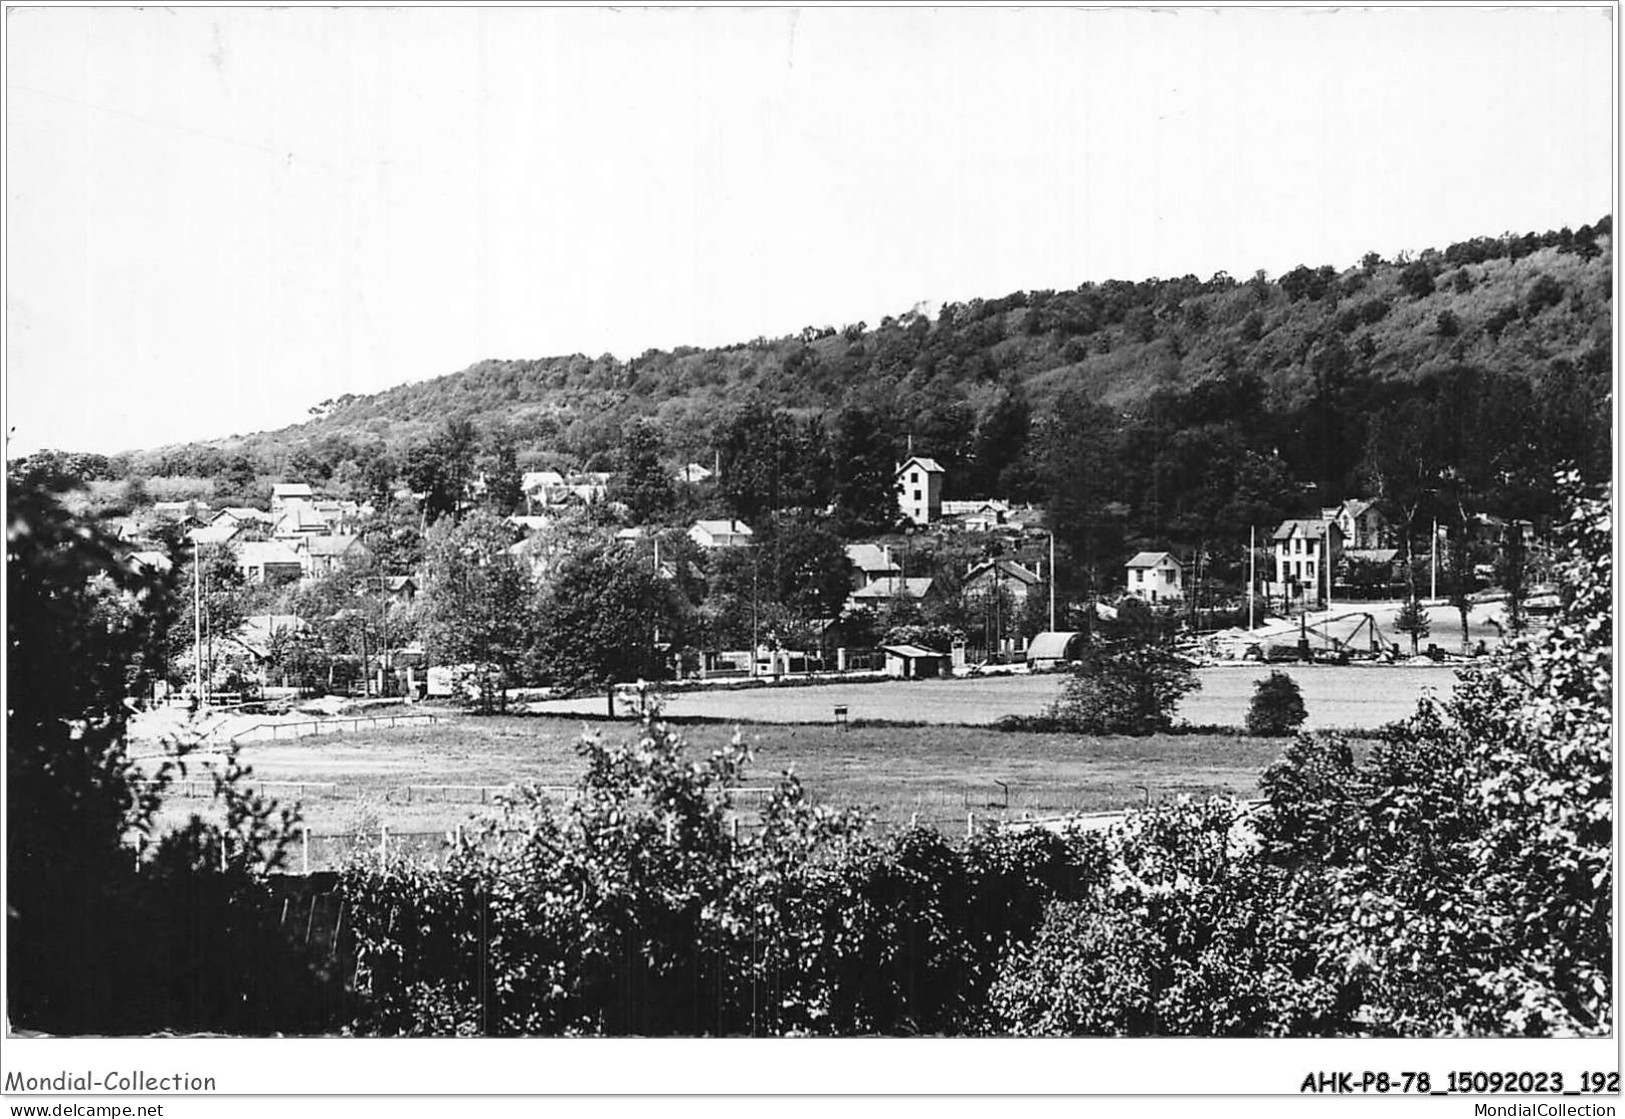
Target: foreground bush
1458,882
634,908
109,932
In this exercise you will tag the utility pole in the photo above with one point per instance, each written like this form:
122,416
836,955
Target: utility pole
1252,553
1052,582
197,623
1433,563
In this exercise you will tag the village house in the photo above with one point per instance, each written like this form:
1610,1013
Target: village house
693,474
285,495
542,488
871,563
298,521
721,534
919,493
323,555
1360,522
1156,577
269,561
221,530
1303,550
878,595
1007,575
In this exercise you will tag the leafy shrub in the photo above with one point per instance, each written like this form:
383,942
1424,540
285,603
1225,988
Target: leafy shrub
1131,688
1277,707
636,908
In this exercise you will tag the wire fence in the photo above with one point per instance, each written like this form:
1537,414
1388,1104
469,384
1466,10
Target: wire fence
306,728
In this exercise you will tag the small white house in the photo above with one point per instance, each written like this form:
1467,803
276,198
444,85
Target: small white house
1156,577
721,534
919,489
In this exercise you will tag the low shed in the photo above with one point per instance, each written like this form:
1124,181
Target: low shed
1054,647
910,662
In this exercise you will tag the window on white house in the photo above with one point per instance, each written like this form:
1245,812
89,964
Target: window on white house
915,477
916,495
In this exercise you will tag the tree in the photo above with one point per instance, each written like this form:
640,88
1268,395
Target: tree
1131,688
477,604
865,473
111,927
606,617
441,468
1412,619
1277,707
1512,573
642,484
504,485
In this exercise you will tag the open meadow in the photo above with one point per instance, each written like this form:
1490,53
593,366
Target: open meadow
1337,697
421,782
950,764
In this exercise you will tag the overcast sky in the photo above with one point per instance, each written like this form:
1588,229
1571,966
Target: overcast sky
218,218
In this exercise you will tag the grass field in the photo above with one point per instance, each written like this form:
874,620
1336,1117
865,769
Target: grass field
1365,696
428,780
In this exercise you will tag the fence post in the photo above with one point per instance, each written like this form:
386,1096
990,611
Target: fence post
970,825
304,841
383,842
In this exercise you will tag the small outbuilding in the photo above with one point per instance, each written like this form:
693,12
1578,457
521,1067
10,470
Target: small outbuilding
910,662
1054,648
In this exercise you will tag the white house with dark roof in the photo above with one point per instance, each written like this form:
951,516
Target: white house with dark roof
1156,577
919,489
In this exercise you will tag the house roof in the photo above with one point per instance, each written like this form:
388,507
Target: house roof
301,518
152,561
1306,527
927,464
911,651
528,524
243,513
291,489
1008,567
258,553
1152,559
693,472
215,532
724,528
870,557
334,545
400,582
892,588
1055,645
1373,555
535,479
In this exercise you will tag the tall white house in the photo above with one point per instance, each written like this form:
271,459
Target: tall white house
919,489
1306,553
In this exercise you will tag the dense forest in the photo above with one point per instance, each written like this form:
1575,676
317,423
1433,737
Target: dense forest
1161,413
